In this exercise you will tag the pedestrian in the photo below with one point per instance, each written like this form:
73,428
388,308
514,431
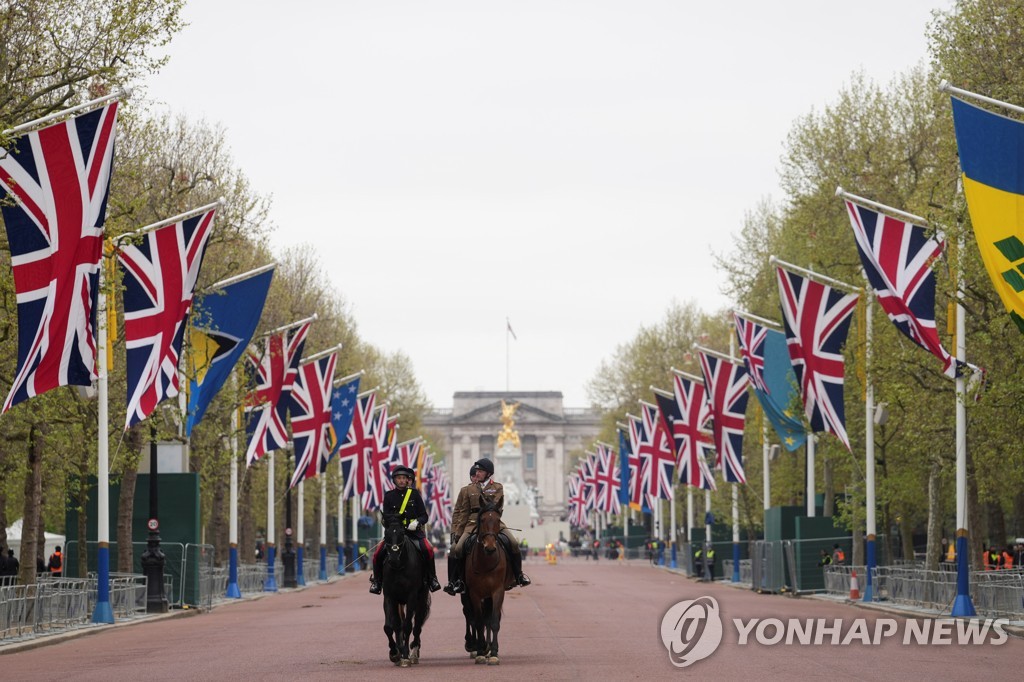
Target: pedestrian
709,561
13,565
482,489
405,504
698,562
1007,558
825,560
838,555
56,563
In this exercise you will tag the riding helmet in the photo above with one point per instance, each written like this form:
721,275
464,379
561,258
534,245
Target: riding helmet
403,470
485,464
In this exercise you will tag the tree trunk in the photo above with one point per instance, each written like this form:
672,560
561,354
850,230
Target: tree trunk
933,554
30,548
976,531
907,536
996,524
890,541
1018,514
83,512
219,512
828,482
126,500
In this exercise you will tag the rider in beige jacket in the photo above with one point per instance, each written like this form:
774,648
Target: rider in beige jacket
471,498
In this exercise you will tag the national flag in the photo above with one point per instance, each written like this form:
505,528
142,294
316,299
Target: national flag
577,502
354,452
407,454
222,326
897,257
588,479
657,448
378,482
58,177
640,470
310,412
817,320
272,372
769,354
607,476
343,406
625,472
726,384
160,277
693,443
991,148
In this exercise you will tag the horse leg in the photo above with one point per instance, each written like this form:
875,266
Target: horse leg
389,618
495,625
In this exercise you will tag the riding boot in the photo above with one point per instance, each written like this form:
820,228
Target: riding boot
431,574
517,569
454,583
375,586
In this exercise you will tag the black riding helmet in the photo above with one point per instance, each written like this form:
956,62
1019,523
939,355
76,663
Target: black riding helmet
484,464
404,471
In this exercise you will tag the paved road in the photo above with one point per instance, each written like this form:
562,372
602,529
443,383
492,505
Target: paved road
579,620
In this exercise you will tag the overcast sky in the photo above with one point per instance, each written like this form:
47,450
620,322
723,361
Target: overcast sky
568,164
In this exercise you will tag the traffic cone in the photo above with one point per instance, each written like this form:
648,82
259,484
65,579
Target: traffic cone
854,586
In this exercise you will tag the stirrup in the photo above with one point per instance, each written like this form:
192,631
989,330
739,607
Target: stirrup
523,580
433,585
450,588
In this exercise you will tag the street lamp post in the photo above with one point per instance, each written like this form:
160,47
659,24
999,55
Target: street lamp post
153,558
288,556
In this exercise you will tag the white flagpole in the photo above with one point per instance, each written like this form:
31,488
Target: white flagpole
341,520
233,592
869,455
735,486
270,585
355,533
672,538
103,612
962,604
323,528
766,458
810,474
124,93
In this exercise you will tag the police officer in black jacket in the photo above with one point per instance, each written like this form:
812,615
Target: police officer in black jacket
405,502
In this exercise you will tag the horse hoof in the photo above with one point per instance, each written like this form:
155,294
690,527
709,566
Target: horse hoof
493,660
393,658
481,659
404,663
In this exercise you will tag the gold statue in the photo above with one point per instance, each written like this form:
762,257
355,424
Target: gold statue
508,433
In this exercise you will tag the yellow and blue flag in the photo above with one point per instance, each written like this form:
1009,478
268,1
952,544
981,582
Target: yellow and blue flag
992,160
223,325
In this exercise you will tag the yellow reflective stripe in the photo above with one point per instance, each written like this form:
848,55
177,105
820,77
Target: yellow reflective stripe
401,510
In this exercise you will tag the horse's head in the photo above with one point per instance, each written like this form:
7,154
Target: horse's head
394,540
487,527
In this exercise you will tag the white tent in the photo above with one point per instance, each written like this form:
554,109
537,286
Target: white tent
14,541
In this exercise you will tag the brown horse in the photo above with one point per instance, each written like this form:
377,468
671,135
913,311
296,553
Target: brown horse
487,574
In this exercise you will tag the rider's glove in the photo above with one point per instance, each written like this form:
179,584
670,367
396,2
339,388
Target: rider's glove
414,524
454,538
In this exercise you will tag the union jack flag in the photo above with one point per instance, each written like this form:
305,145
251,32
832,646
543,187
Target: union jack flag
577,502
159,280
59,176
656,448
378,482
690,414
437,493
607,476
354,453
752,337
588,477
897,257
726,385
639,467
407,454
310,411
273,372
817,320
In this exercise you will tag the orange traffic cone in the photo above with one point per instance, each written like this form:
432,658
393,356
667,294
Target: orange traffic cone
854,586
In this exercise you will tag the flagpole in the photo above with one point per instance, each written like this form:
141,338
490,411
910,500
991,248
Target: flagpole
962,604
672,539
233,592
355,533
757,318
127,236
944,86
103,612
766,458
508,347
293,325
735,489
322,354
843,194
341,519
123,93
869,452
300,553
238,278
323,528
270,584
345,380
707,530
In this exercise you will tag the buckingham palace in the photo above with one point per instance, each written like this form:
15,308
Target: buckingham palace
548,435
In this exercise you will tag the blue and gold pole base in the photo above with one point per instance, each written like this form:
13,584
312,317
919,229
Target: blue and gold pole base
963,607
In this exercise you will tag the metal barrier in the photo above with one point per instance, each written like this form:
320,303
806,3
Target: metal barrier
199,578
174,563
251,577
767,567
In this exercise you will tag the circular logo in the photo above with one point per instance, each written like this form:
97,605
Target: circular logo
288,532
152,524
691,630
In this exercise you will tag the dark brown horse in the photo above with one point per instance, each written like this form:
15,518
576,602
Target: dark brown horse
487,574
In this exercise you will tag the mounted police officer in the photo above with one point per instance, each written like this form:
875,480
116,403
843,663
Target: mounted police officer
405,503
464,518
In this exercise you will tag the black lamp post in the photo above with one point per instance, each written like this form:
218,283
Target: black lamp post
288,556
153,558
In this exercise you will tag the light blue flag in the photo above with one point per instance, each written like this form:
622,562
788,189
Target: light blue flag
223,325
780,380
